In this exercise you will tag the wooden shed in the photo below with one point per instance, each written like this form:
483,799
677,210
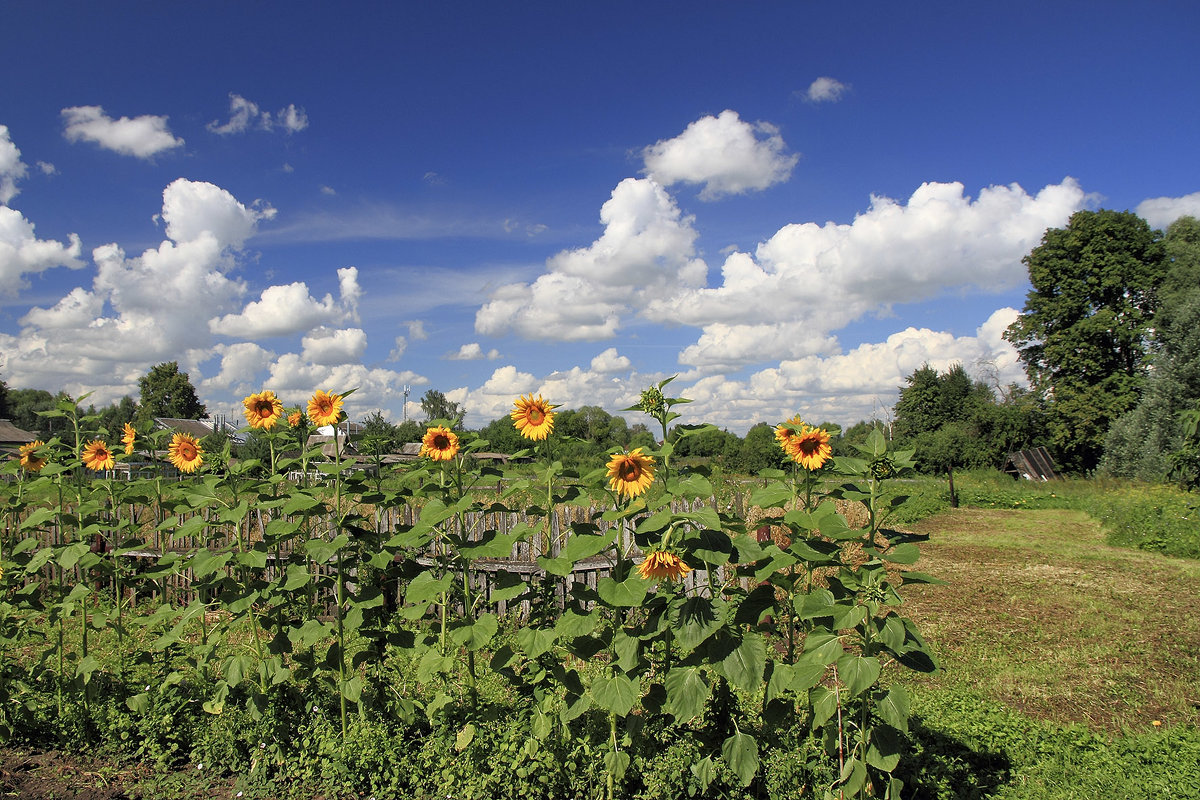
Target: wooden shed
1033,464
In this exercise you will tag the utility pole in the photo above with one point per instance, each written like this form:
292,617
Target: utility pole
404,411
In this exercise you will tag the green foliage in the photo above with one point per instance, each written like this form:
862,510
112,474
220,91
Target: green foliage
23,408
167,392
1084,333
1156,518
435,405
1140,444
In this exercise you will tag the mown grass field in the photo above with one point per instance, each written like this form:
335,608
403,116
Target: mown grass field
1070,667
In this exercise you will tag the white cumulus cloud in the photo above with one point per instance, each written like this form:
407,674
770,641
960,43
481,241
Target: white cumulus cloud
825,90
246,114
144,309
290,308
473,351
809,280
1162,211
192,209
328,346
11,167
648,247
22,253
141,137
724,153
610,362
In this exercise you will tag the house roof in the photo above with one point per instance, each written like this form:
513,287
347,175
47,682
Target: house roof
192,427
11,434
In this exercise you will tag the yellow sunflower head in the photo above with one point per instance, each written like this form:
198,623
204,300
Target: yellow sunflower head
630,473
97,457
786,433
662,565
325,408
128,438
808,446
440,444
185,452
533,417
295,418
29,460
263,410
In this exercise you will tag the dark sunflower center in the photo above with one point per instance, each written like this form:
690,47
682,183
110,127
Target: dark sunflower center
441,442
630,471
265,409
536,417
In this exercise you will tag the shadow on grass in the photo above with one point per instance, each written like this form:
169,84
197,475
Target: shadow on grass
942,767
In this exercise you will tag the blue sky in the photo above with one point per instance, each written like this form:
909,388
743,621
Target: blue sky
791,206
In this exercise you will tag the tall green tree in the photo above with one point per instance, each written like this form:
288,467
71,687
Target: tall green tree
1139,442
436,405
167,392
1085,332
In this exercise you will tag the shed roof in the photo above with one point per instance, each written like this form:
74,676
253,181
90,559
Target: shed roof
11,434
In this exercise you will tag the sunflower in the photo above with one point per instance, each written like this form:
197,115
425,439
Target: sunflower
295,418
440,444
786,433
630,473
186,453
96,456
533,417
128,438
661,565
263,410
29,461
325,408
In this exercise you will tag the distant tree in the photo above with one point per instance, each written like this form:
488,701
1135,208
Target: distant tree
932,399
409,431
503,437
23,405
377,436
5,411
954,422
435,405
167,392
114,417
1085,331
945,450
759,450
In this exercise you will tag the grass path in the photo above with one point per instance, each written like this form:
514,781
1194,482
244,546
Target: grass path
1041,615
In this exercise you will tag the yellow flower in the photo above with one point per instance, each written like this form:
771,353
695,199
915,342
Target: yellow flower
128,438
325,408
185,452
533,417
440,444
263,410
29,461
807,446
660,565
97,457
630,473
295,418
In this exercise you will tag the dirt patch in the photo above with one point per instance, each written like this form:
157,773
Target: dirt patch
38,775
